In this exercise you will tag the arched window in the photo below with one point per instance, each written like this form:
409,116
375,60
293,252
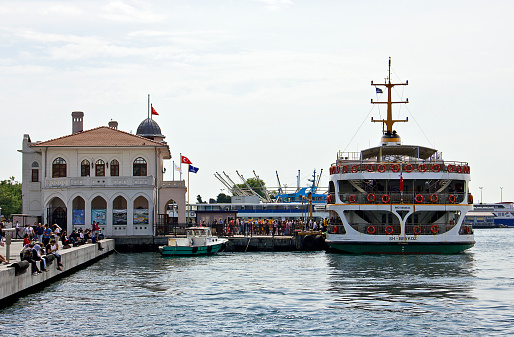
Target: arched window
139,167
58,168
100,168
115,168
84,168
35,164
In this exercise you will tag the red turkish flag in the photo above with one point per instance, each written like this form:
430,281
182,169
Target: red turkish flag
185,160
154,112
401,182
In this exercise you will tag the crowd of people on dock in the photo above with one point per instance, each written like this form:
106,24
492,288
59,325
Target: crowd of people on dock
268,227
41,243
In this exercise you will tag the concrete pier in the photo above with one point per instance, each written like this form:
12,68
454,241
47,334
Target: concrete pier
14,284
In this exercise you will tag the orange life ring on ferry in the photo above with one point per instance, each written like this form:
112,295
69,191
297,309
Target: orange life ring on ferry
389,230
395,168
352,198
370,229
434,198
386,198
338,169
335,229
422,167
450,168
467,169
436,168
370,168
434,229
451,198
459,169
419,198
329,198
345,169
371,197
470,198
409,168
416,230
381,168
355,169
467,230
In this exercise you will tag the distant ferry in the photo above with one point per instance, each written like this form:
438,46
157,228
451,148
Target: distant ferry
398,199
254,211
503,212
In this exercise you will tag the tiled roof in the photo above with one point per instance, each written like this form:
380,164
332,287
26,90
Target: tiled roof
102,136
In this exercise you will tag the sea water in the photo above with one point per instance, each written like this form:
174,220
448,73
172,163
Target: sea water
279,294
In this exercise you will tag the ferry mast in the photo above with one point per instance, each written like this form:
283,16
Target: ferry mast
389,135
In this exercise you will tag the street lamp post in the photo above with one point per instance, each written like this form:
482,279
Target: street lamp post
480,195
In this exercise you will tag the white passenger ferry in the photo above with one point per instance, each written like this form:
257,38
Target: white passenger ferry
398,199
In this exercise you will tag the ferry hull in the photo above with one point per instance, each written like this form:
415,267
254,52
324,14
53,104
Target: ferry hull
190,251
403,248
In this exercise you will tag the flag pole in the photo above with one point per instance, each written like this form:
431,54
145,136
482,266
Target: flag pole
148,105
188,185
173,169
180,167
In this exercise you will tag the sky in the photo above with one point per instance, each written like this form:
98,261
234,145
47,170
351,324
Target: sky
264,85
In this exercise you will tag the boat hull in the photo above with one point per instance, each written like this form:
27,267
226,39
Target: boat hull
190,250
399,248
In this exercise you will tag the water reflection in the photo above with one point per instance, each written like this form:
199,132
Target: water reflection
416,284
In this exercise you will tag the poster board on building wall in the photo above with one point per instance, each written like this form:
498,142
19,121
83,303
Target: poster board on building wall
119,217
99,215
141,217
79,217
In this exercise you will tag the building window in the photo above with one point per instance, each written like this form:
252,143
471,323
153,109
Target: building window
35,175
139,167
35,164
115,168
84,168
59,168
100,168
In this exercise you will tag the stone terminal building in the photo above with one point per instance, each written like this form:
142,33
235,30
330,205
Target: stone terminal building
103,174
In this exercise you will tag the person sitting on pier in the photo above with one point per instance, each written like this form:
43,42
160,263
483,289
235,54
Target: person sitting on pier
53,248
36,256
3,259
74,238
26,255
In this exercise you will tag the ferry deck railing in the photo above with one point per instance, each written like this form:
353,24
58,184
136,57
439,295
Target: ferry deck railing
384,198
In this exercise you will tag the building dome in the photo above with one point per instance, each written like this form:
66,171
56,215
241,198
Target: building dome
149,129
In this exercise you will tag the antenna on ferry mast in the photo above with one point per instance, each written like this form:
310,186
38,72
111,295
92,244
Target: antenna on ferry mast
389,135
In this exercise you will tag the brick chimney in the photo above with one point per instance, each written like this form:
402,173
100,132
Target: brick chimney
77,121
113,125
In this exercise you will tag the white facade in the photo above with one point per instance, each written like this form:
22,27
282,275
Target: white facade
124,201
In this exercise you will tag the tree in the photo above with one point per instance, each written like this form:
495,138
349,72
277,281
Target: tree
10,197
258,185
212,201
199,199
223,199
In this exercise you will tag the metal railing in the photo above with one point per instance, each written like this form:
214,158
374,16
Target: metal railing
351,166
395,229
383,198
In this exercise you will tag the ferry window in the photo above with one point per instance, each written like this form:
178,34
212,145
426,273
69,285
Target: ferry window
139,167
84,168
59,168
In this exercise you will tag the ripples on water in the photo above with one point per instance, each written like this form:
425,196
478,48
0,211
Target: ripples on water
279,294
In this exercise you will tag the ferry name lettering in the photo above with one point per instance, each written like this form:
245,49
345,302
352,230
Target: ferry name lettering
408,238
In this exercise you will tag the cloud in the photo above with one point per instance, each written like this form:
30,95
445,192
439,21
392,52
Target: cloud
123,12
275,5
